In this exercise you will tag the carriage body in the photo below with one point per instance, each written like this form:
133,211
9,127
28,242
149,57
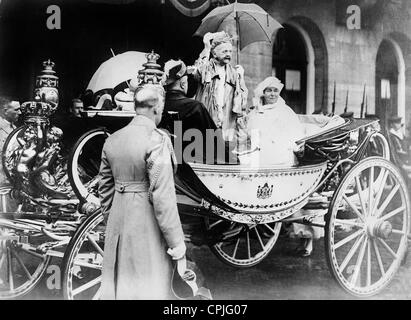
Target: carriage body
239,205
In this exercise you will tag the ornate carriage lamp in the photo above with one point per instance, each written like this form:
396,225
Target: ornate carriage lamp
151,73
46,97
47,85
32,156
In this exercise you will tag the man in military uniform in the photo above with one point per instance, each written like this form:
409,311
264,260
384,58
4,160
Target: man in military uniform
138,201
9,114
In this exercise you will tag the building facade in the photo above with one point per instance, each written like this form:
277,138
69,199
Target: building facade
361,50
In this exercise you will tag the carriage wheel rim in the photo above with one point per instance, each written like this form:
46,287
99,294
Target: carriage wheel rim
244,241
10,257
70,274
372,231
78,184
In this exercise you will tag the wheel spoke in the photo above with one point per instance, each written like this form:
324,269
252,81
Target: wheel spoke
95,245
10,273
87,285
400,232
87,265
351,253
386,246
369,263
259,238
269,228
387,200
235,248
359,263
214,224
348,239
34,254
3,257
349,222
22,265
393,213
355,209
377,199
360,195
377,253
370,191
248,245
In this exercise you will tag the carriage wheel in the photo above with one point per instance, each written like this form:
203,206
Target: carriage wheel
21,266
242,245
10,145
367,226
84,164
83,260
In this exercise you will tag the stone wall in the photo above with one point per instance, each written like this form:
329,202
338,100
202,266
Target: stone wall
350,55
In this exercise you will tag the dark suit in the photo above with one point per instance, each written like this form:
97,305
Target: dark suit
193,115
191,112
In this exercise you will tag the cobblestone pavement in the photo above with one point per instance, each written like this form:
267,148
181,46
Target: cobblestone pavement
281,275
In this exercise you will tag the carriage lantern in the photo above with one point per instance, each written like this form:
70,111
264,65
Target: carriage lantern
47,85
151,73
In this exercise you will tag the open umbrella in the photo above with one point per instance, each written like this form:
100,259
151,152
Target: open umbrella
253,23
116,70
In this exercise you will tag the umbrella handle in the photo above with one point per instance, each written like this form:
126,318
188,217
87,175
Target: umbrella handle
237,24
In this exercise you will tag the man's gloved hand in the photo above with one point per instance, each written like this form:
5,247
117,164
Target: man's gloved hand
207,39
178,252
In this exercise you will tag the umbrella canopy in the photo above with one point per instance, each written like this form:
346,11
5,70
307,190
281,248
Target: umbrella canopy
116,70
253,23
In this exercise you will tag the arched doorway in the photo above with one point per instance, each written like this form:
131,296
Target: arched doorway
290,66
386,80
389,80
300,48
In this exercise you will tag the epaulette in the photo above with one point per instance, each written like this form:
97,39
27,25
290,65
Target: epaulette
161,131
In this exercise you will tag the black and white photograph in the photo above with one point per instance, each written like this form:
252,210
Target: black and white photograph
217,150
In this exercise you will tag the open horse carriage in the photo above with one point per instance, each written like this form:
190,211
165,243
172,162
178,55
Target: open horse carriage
51,209
367,220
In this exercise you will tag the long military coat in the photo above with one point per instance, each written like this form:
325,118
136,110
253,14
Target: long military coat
138,196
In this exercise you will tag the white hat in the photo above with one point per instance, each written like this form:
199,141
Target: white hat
266,83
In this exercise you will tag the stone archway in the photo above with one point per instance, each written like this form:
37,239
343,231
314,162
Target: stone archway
392,59
312,64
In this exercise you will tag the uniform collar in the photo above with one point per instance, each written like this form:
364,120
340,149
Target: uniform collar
175,95
141,120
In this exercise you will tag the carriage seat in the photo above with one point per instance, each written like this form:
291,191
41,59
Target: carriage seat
124,100
317,124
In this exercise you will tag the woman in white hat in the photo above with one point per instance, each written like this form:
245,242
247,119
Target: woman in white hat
273,127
